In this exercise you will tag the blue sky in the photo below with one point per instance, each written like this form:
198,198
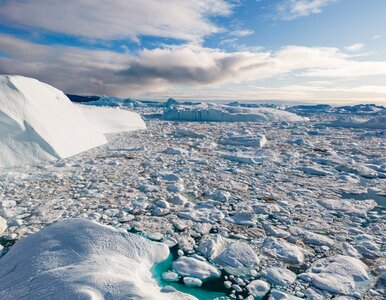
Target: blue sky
304,50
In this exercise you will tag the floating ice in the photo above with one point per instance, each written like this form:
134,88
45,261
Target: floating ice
279,276
283,250
222,113
76,259
191,267
339,275
258,288
235,257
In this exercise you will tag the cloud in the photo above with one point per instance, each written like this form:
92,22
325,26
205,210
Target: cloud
354,47
117,19
153,72
241,32
292,9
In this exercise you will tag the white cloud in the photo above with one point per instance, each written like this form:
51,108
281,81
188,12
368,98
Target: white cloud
115,19
377,37
355,47
242,32
292,9
154,72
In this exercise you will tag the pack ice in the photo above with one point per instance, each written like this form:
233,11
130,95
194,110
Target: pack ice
81,259
38,122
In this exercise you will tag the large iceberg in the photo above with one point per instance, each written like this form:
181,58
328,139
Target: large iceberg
39,122
81,259
209,112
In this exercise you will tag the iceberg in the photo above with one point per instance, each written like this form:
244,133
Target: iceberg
38,122
209,112
81,259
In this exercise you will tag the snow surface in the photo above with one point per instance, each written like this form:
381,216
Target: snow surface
222,113
112,120
80,259
39,122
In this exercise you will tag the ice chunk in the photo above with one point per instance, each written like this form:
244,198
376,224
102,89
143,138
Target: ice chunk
258,288
236,257
340,275
279,276
192,267
76,259
283,250
245,140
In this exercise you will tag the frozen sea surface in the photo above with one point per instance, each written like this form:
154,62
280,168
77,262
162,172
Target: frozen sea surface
291,199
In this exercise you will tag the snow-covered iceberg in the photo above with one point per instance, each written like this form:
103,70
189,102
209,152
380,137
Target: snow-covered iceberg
38,122
112,120
209,112
81,259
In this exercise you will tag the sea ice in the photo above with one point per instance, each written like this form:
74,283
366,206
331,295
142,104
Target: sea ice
192,267
279,276
258,288
340,275
76,259
283,250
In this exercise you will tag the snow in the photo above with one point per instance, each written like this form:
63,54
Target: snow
191,267
340,275
112,120
210,112
38,122
78,258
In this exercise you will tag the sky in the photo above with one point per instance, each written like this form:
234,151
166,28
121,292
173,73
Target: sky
316,51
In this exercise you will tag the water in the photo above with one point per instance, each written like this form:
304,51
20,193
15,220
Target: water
210,290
